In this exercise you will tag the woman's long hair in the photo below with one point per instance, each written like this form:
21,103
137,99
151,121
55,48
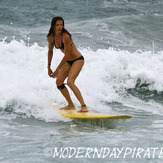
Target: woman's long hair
53,23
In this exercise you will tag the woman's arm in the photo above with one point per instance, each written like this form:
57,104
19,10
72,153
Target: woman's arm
50,54
67,49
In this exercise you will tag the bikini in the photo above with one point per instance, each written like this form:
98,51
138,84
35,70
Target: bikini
62,45
62,48
71,62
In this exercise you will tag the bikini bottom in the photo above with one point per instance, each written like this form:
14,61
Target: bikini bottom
71,62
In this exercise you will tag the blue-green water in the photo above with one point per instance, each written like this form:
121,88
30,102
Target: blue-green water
122,42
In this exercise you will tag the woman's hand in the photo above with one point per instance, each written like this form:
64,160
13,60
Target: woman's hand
54,74
50,72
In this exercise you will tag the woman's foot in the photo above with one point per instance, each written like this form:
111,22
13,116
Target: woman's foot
69,107
83,108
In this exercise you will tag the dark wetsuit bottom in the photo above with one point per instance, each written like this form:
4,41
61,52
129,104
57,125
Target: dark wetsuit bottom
71,62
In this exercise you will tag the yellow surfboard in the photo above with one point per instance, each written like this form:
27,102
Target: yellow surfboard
74,114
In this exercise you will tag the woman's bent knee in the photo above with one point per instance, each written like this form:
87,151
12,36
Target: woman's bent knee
59,82
70,83
60,87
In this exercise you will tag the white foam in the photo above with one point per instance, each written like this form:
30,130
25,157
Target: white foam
23,77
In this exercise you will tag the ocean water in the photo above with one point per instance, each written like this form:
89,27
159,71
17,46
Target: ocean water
122,43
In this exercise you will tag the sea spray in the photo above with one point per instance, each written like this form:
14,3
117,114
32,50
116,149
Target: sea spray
105,77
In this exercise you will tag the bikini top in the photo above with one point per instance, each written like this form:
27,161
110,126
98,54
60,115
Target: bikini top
62,45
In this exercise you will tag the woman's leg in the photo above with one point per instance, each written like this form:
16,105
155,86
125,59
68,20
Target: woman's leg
62,75
74,72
